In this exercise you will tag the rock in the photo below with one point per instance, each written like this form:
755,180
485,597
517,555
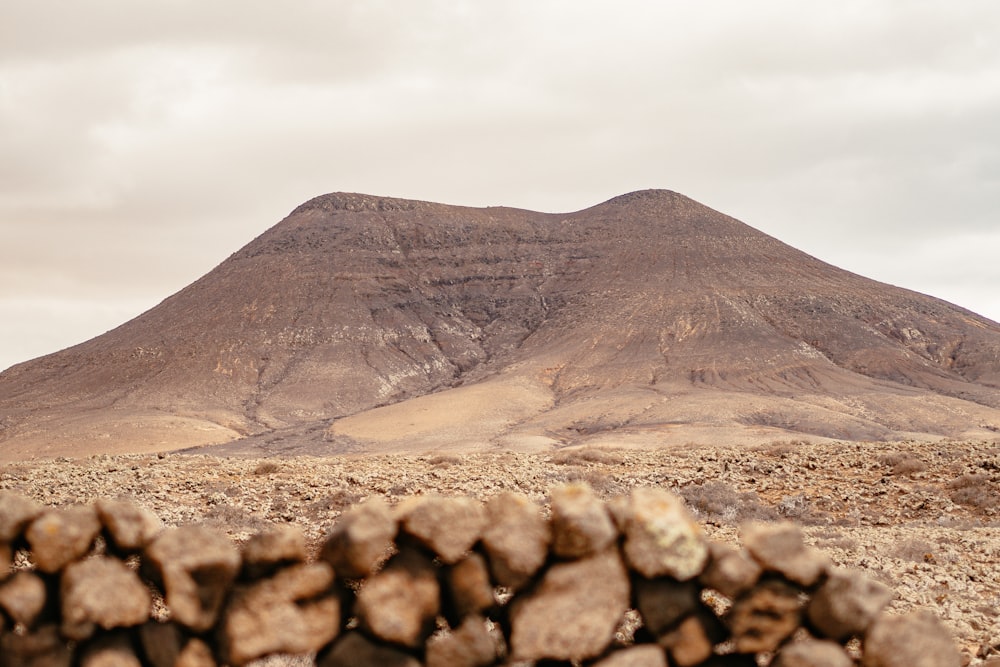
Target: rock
353,650
779,548
16,512
689,644
846,604
646,655
60,536
114,650
128,526
468,646
918,639
161,643
730,571
661,536
23,597
813,653
447,526
196,567
662,603
581,524
292,612
275,547
40,648
469,588
516,539
101,592
6,559
195,653
574,611
763,618
400,603
361,540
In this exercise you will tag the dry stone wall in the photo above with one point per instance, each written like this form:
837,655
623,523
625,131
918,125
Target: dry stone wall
442,581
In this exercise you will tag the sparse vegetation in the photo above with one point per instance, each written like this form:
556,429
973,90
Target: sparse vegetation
721,502
266,468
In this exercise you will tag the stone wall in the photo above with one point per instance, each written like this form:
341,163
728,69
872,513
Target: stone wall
442,581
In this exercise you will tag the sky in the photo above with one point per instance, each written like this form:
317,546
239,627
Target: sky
141,143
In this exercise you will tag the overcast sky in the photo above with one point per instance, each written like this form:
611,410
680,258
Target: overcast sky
143,142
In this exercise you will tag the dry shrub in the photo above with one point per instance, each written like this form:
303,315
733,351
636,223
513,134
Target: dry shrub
588,455
266,468
914,549
719,501
443,460
973,490
599,481
902,463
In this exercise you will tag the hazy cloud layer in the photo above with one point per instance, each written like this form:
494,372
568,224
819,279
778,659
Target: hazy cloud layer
142,143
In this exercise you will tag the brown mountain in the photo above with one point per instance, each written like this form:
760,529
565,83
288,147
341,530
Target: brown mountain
364,323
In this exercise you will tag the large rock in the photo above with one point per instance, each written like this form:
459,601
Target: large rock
581,524
574,611
400,603
114,650
516,539
690,643
196,567
918,639
730,571
813,653
354,650
60,536
42,647
165,645
448,526
846,604
16,512
273,548
362,539
469,645
469,588
647,655
292,612
661,536
664,602
765,617
23,597
101,592
779,548
128,526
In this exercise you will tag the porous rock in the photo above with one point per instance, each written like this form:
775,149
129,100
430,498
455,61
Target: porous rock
362,539
469,645
354,650
813,653
113,650
661,536
779,548
846,604
60,536
663,602
581,524
42,647
291,612
689,643
101,592
646,655
516,539
196,567
129,527
272,548
23,597
469,588
448,526
730,571
763,618
399,604
917,639
574,611
16,512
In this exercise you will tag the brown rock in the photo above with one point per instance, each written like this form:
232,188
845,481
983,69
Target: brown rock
16,512
574,611
918,639
647,655
689,644
581,524
664,602
114,650
292,612
361,540
447,526
195,653
40,648
275,547
779,548
469,588
813,653
353,650
764,617
161,643
846,604
730,571
60,536
129,527
400,603
101,592
196,566
22,597
516,539
468,646
6,559
661,537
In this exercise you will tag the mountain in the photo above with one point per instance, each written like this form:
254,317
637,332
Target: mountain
362,323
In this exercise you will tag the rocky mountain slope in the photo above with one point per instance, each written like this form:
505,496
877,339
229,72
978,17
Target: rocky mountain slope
371,324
